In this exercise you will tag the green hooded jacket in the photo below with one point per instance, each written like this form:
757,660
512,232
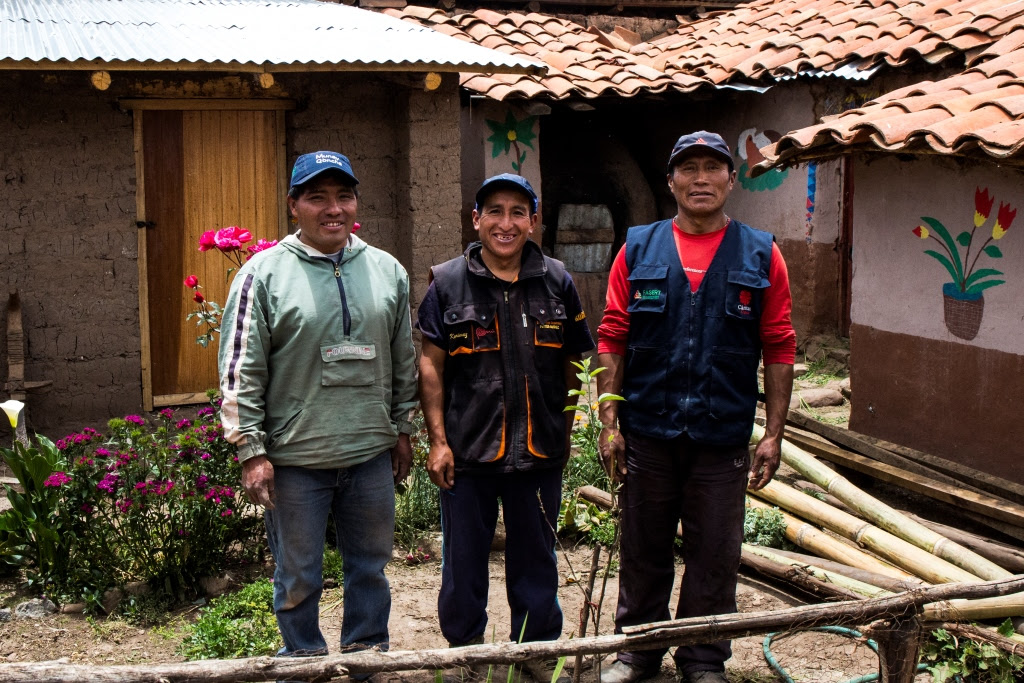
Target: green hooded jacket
317,365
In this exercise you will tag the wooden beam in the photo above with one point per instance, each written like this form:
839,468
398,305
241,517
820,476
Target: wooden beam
886,452
982,503
597,236
180,399
248,67
142,261
200,103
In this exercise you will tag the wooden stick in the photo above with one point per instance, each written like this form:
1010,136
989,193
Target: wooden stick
887,582
854,586
899,644
1006,556
796,576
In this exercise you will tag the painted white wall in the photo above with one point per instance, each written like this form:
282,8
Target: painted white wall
896,286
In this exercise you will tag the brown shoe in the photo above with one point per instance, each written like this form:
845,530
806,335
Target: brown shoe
543,670
706,677
623,672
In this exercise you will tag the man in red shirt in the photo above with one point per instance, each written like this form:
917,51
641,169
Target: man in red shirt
694,303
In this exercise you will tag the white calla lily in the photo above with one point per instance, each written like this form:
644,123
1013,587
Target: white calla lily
13,409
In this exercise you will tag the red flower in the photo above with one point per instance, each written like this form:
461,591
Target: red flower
192,282
921,232
982,206
207,240
231,238
199,298
1003,220
355,226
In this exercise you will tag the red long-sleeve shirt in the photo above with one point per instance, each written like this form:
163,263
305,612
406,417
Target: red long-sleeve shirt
778,340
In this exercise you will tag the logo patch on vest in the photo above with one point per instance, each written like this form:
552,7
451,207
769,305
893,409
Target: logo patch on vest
550,326
647,294
458,335
580,317
483,332
340,351
744,305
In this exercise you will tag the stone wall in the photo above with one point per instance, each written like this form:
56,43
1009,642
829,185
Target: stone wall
68,243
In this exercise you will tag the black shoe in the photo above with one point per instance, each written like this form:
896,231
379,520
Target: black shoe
706,677
623,672
543,670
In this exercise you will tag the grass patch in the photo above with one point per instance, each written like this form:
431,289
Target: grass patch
236,625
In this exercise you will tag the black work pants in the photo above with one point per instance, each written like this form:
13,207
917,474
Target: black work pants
669,481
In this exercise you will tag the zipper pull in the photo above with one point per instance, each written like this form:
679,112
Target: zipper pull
524,319
337,270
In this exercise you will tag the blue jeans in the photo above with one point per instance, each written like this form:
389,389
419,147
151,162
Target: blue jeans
362,500
469,513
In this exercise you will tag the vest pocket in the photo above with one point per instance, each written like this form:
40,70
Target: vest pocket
471,328
348,364
548,323
646,380
648,288
743,293
732,394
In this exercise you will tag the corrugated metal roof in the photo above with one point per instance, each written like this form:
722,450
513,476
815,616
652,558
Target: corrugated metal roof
246,35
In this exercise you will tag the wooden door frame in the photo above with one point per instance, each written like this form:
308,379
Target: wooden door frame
149,401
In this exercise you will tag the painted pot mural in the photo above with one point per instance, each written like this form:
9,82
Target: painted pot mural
963,298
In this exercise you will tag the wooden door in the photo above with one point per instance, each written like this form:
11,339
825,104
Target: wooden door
202,170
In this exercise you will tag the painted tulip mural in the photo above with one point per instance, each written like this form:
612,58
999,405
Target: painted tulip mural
963,297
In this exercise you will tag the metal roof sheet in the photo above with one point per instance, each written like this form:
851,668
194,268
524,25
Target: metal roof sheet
247,35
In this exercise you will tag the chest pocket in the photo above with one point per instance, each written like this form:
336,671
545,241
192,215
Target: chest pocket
744,291
348,364
648,288
548,323
471,328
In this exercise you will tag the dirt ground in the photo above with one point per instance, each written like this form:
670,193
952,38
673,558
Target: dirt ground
809,657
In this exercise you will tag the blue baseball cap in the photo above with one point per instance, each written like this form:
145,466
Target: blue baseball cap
700,141
506,181
309,166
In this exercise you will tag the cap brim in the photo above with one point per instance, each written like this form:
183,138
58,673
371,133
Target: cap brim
309,176
700,149
503,184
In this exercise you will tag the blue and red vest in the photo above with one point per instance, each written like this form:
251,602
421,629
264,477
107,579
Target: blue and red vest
692,357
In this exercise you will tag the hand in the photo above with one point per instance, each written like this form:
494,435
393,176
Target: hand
401,458
766,460
441,466
612,448
258,481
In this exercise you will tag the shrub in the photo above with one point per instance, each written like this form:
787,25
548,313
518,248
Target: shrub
417,501
333,564
765,527
949,658
239,624
152,503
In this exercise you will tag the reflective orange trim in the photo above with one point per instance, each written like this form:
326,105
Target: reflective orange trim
536,342
461,349
501,446
529,426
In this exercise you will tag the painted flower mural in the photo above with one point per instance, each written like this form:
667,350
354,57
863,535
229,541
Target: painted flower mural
509,135
963,298
748,149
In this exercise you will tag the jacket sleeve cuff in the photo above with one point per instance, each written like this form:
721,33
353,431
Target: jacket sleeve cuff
251,450
405,427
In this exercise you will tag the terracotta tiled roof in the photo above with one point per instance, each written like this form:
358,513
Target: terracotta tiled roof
768,39
979,112
582,62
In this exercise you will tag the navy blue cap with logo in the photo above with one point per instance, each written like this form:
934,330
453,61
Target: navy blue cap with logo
700,141
309,166
506,181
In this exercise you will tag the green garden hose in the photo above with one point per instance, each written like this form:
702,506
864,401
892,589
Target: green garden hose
838,630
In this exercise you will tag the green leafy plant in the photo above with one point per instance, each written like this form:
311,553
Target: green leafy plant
765,527
969,283
964,660
334,566
417,500
30,532
239,624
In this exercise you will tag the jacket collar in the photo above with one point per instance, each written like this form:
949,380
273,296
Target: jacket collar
532,264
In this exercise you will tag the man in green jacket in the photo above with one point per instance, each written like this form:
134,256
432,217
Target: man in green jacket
318,375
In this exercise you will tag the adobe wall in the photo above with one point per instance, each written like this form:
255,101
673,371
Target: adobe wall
930,371
69,243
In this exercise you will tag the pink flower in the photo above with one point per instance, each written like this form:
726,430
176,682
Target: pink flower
231,238
86,508
226,513
102,452
199,298
355,227
57,479
184,424
207,240
124,505
261,245
192,281
134,419
167,413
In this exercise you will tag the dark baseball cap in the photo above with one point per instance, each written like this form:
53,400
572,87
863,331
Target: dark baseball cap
700,141
506,181
309,166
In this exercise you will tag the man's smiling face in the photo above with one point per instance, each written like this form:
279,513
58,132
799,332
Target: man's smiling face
701,183
325,211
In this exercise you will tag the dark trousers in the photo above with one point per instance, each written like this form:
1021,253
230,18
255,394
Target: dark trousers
469,512
669,481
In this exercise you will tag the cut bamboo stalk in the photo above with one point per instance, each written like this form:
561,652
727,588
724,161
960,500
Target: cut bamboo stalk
796,577
880,580
811,538
975,610
884,516
816,491
894,549
861,588
1005,556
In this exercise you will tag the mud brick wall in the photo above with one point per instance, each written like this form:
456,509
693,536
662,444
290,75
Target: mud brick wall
68,244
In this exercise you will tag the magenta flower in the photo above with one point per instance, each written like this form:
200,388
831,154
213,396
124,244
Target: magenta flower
183,424
124,505
86,508
57,479
261,245
191,282
231,238
102,452
167,413
108,483
134,419
226,513
203,412
208,240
